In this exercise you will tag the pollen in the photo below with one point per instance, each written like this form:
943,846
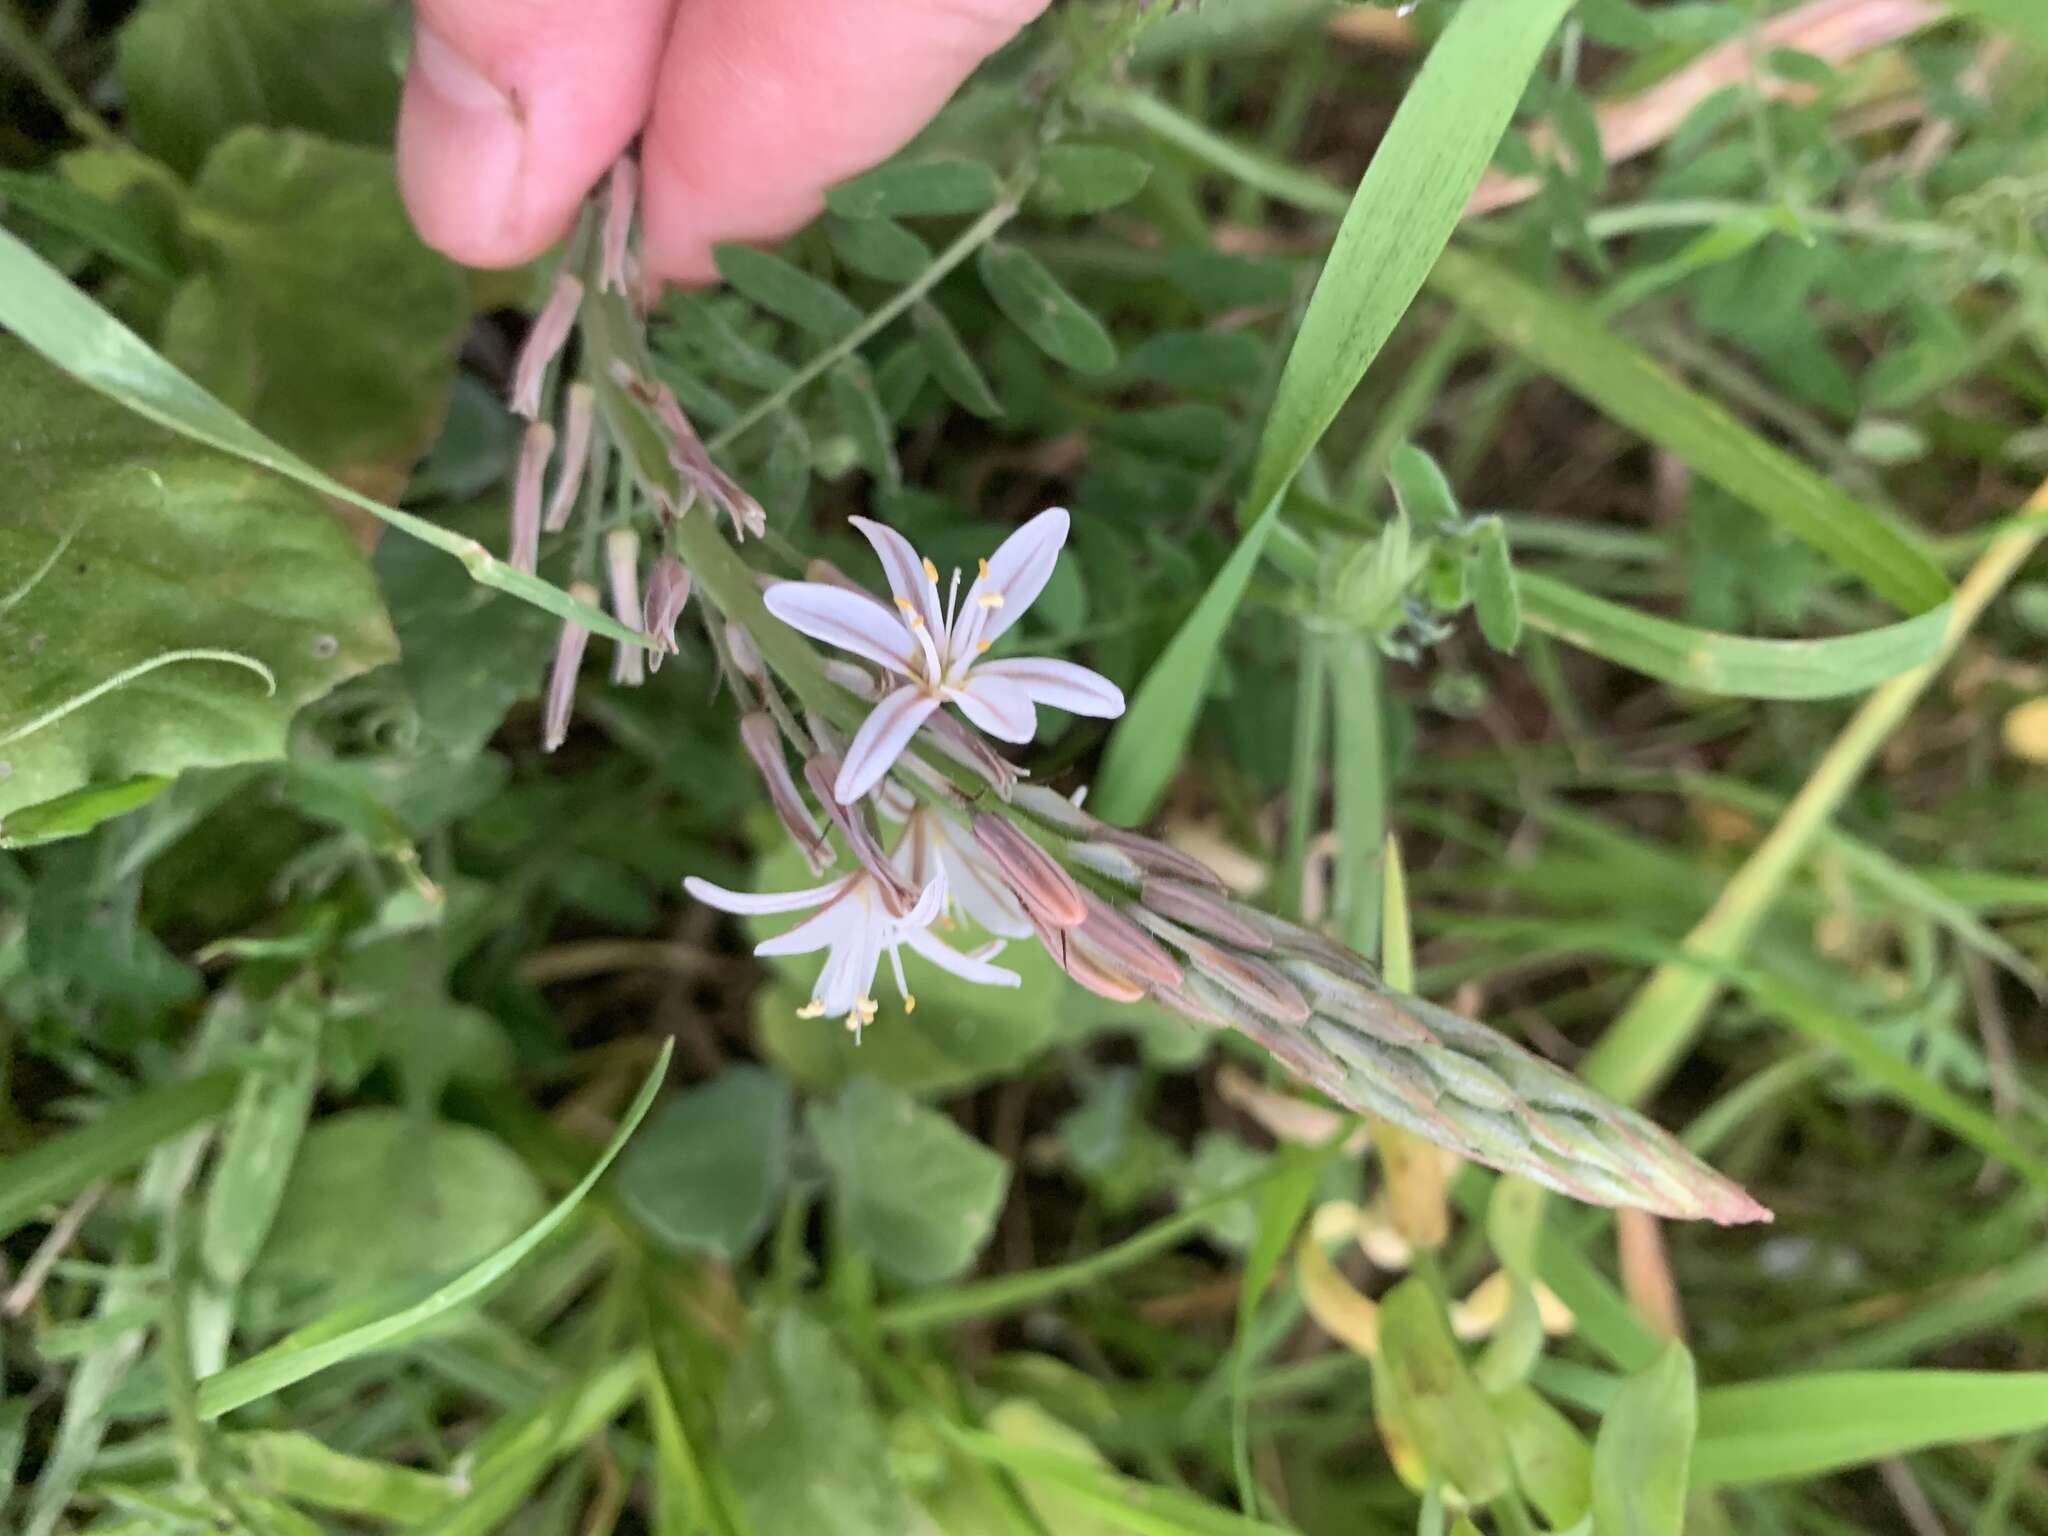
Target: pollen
990,600
909,1002
906,605
931,572
982,645
984,570
811,1010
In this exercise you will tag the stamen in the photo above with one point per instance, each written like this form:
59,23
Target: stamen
982,645
991,600
931,572
907,606
984,570
811,1010
909,1003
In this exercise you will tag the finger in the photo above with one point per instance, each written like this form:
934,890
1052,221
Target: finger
765,103
513,109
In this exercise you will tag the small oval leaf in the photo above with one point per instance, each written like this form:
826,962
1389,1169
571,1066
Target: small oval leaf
1038,306
783,289
913,188
1086,178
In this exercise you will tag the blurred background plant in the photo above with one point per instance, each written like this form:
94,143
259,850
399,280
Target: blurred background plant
1665,586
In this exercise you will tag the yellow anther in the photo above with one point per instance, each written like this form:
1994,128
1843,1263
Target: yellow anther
982,645
931,572
984,570
811,1010
909,1003
906,605
990,600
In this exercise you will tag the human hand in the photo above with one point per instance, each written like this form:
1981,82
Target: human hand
749,109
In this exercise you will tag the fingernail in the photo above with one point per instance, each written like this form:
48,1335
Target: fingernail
450,76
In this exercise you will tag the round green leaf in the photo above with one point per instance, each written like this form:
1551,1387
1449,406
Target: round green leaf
916,1194
705,1174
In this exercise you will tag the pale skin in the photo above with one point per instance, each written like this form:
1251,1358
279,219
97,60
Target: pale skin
748,110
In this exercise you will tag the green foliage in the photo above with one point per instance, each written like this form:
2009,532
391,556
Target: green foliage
708,1172
1642,1458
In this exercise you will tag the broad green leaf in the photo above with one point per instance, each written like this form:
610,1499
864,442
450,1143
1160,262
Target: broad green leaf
1422,491
860,413
193,70
786,290
1198,362
317,314
705,1175
54,1170
1406,206
697,323
1033,300
382,1195
1433,1396
144,606
1629,385
1805,1426
1733,665
952,364
1553,1463
1023,1422
799,1440
915,1193
348,1332
878,248
67,327
1644,1449
906,189
1078,178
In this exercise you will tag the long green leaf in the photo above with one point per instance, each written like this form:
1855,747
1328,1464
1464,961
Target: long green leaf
314,1350
1734,665
1405,209
59,1168
63,323
1802,1426
1569,342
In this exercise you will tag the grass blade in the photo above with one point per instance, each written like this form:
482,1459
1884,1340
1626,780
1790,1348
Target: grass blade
1627,384
1802,1426
66,326
1734,665
294,1359
1403,214
60,1168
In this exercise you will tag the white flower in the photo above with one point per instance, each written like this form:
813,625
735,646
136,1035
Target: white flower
855,925
936,650
934,846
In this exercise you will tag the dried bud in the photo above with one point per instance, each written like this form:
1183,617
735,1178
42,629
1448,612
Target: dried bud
550,329
622,567
668,590
763,743
576,424
852,821
534,449
561,693
621,192
687,455
1047,892
746,656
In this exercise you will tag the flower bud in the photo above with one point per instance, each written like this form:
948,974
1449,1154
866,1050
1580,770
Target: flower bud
1035,879
763,743
1204,911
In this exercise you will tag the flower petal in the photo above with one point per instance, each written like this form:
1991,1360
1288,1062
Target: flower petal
966,967
905,570
998,706
930,901
766,902
978,890
845,619
1058,683
880,741
1017,573
821,930
849,973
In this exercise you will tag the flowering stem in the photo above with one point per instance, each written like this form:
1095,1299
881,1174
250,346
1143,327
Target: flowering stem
970,239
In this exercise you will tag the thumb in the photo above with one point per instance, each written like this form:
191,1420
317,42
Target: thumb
513,109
